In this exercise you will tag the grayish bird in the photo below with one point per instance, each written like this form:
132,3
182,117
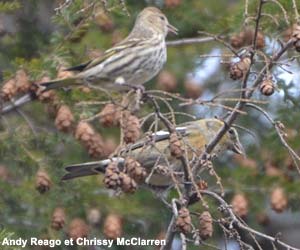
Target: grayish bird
134,61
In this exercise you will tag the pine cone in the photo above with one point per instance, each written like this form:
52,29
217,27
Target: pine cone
91,140
112,178
166,81
113,226
193,89
45,97
96,146
172,3
128,184
131,127
267,87
78,229
205,225
94,216
202,185
237,41
184,221
58,218
110,115
175,146
260,40
246,37
42,181
279,200
239,69
135,170
22,81
84,132
64,119
240,205
9,90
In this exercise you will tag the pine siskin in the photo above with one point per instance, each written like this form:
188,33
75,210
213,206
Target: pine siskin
133,61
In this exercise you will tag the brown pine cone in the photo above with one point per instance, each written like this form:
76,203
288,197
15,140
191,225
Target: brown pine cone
45,97
9,90
239,69
131,127
42,181
78,229
112,178
22,81
175,146
64,119
240,205
237,41
96,146
193,89
135,170
184,221
260,38
110,115
172,3
91,140
267,87
94,216
205,225
202,185
279,200
84,132
128,185
166,81
58,218
113,226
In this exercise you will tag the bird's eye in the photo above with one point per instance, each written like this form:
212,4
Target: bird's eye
162,18
230,131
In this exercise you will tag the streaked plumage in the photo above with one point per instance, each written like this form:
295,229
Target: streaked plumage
195,134
134,61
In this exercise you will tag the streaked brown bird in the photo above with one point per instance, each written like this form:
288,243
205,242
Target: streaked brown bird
195,134
134,61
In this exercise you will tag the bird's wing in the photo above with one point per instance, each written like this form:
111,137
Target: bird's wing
107,54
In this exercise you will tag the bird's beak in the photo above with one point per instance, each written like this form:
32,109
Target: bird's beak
238,148
172,29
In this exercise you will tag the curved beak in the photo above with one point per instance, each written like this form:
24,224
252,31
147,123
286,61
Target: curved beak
172,29
238,148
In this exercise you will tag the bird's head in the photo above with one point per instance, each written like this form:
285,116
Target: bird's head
152,18
234,143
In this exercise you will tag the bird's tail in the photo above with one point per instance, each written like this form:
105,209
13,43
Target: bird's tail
88,168
59,83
